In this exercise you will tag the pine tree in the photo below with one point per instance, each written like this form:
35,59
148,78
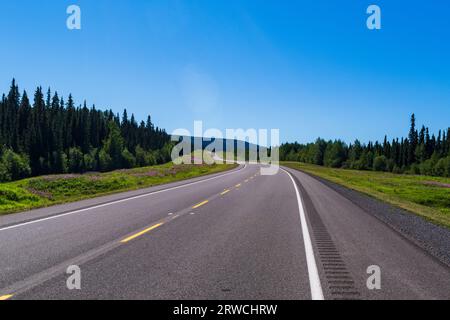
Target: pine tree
23,116
428,146
10,119
386,148
412,141
51,134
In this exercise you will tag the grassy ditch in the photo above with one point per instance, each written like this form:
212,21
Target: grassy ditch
425,196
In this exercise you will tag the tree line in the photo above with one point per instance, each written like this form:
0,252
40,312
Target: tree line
54,136
419,153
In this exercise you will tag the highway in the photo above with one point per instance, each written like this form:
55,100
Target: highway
234,235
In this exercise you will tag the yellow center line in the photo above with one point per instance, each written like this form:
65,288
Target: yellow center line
238,185
246,180
225,192
8,296
200,204
141,233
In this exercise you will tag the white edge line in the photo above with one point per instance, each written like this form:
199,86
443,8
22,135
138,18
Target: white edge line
313,273
116,202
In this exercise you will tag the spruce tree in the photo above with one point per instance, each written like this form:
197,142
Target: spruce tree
412,141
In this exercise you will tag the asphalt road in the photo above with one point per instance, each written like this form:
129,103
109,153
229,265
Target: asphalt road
235,235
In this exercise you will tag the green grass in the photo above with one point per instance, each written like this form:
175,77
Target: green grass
57,189
425,196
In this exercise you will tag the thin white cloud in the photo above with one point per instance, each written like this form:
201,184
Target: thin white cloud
200,91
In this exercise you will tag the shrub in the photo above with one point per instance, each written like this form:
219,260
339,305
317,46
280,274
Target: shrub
415,169
390,165
128,160
380,163
426,168
335,154
442,167
150,159
365,162
4,174
140,157
439,168
60,160
447,167
90,162
104,161
397,170
15,167
76,160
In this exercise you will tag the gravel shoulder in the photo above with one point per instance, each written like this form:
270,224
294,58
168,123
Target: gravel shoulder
432,238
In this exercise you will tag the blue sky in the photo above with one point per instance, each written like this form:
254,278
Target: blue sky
309,68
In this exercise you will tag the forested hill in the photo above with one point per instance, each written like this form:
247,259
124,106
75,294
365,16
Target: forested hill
420,153
47,134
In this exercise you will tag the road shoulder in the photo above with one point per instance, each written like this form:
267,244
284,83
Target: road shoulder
433,238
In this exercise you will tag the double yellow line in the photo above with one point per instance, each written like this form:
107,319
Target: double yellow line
6,297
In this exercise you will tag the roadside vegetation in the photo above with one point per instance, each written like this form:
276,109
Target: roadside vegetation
51,135
425,196
419,153
57,189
